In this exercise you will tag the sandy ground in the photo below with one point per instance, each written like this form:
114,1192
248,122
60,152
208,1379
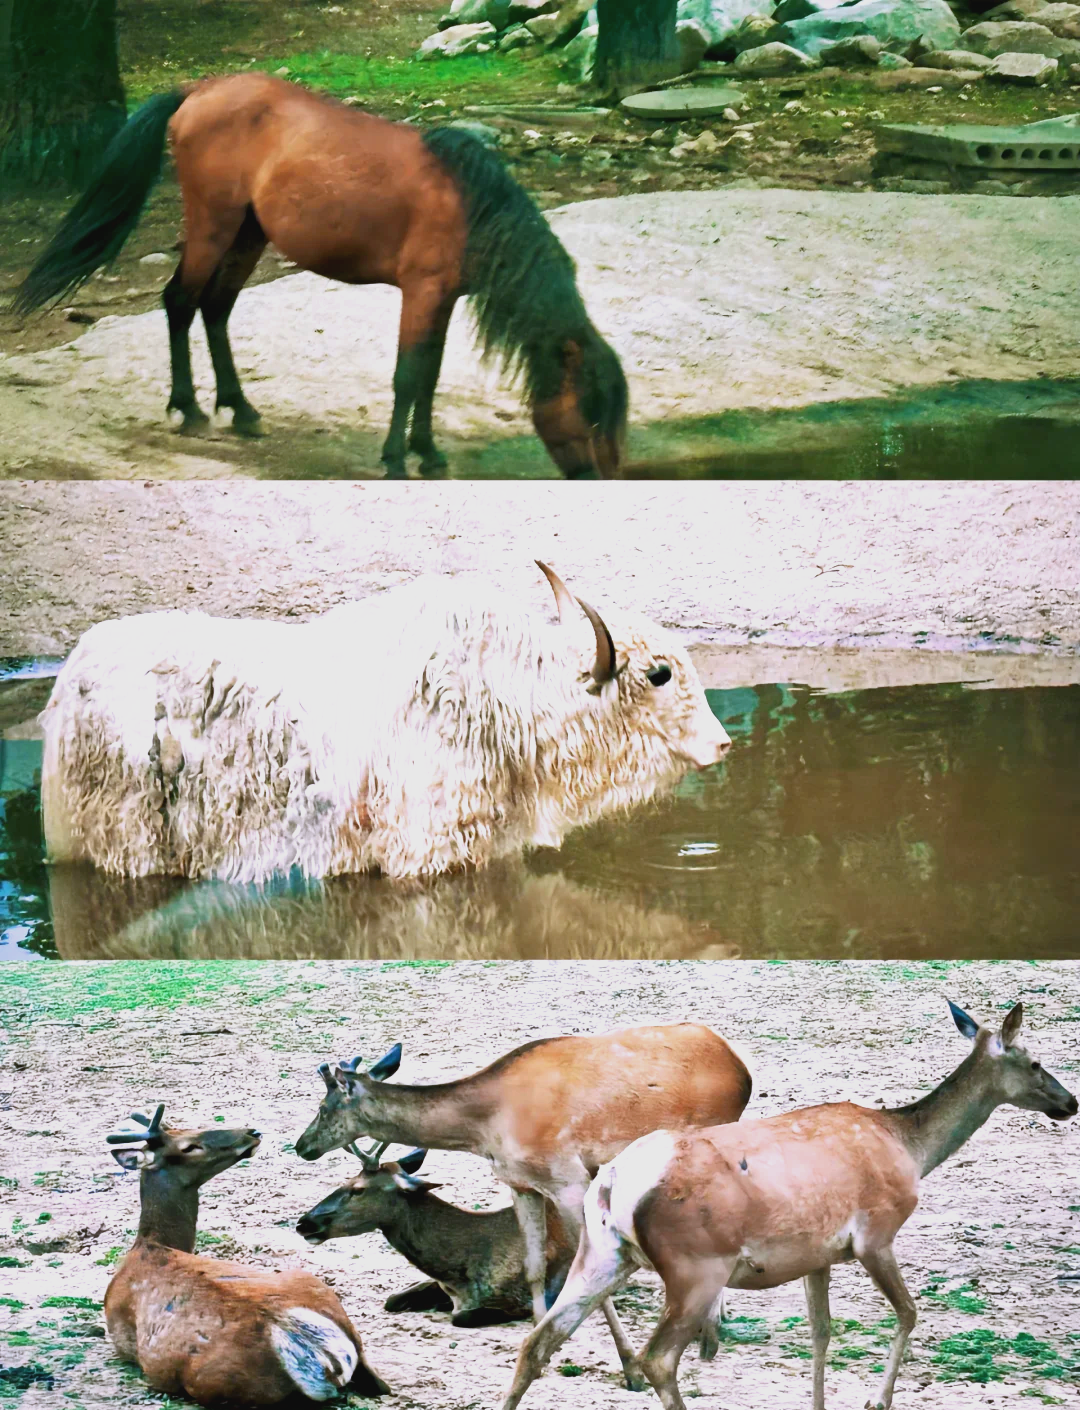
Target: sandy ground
906,564
714,300
996,1225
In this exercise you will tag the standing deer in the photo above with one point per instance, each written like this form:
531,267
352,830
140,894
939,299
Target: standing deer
474,1259
547,1116
211,1330
764,1202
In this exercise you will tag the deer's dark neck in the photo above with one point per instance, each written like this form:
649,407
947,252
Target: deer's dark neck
937,1125
433,1235
169,1212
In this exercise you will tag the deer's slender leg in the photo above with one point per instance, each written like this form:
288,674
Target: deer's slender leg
709,1344
816,1286
571,1208
685,1308
532,1220
595,1274
882,1266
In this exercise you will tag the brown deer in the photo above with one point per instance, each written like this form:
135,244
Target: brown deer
475,1260
211,1330
547,1116
762,1203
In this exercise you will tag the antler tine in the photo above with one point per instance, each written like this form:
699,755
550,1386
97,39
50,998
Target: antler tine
327,1076
151,1129
370,1158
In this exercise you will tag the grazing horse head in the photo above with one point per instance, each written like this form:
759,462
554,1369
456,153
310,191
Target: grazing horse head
583,425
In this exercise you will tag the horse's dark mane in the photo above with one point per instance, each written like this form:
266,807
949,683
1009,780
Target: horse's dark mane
522,283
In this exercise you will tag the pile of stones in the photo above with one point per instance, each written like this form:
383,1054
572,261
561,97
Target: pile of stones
1021,41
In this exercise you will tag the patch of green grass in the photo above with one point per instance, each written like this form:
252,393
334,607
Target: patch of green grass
982,1355
960,1299
6,1261
8,1182
110,1256
744,1329
569,1369
88,1304
124,985
13,1302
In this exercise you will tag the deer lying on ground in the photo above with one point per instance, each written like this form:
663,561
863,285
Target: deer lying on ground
547,1116
760,1203
211,1330
475,1260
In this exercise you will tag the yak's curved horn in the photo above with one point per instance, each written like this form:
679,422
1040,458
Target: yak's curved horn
564,600
603,669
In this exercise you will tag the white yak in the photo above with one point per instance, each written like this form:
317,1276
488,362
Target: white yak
422,730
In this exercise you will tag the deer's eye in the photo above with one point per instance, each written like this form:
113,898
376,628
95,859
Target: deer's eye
659,675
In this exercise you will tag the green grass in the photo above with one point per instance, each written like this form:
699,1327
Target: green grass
88,1304
983,1355
383,82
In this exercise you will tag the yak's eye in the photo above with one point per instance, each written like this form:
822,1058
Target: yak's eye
659,675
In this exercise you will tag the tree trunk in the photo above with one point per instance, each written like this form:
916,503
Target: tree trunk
61,99
636,43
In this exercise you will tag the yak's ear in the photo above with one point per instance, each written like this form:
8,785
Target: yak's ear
387,1065
1010,1029
412,1162
964,1021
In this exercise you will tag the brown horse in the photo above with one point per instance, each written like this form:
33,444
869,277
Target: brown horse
355,198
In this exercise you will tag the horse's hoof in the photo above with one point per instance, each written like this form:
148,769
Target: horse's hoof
434,467
246,422
394,470
194,419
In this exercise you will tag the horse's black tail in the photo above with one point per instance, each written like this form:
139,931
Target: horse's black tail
94,230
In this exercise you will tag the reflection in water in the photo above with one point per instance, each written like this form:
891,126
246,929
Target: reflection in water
923,821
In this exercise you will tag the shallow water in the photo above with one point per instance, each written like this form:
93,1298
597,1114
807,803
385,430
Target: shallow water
926,821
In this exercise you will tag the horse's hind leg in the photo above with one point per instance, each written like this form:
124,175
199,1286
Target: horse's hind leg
429,365
207,237
216,305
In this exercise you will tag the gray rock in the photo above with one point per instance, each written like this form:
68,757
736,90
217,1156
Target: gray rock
891,62
522,10
859,52
516,37
543,27
994,37
496,12
1053,16
579,55
693,41
158,257
788,10
894,23
1032,70
753,31
773,61
571,18
457,40
719,19
952,59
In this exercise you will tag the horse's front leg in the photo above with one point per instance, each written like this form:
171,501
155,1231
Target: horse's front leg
420,348
421,439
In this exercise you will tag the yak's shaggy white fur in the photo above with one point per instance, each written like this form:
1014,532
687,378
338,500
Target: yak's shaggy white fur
419,731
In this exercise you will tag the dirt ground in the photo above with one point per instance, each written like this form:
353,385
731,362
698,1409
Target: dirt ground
240,1044
908,564
714,300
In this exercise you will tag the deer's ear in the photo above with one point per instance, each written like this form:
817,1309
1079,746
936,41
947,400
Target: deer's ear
133,1159
1010,1029
966,1024
412,1162
411,1185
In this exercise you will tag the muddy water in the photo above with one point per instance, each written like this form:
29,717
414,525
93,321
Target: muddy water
934,820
